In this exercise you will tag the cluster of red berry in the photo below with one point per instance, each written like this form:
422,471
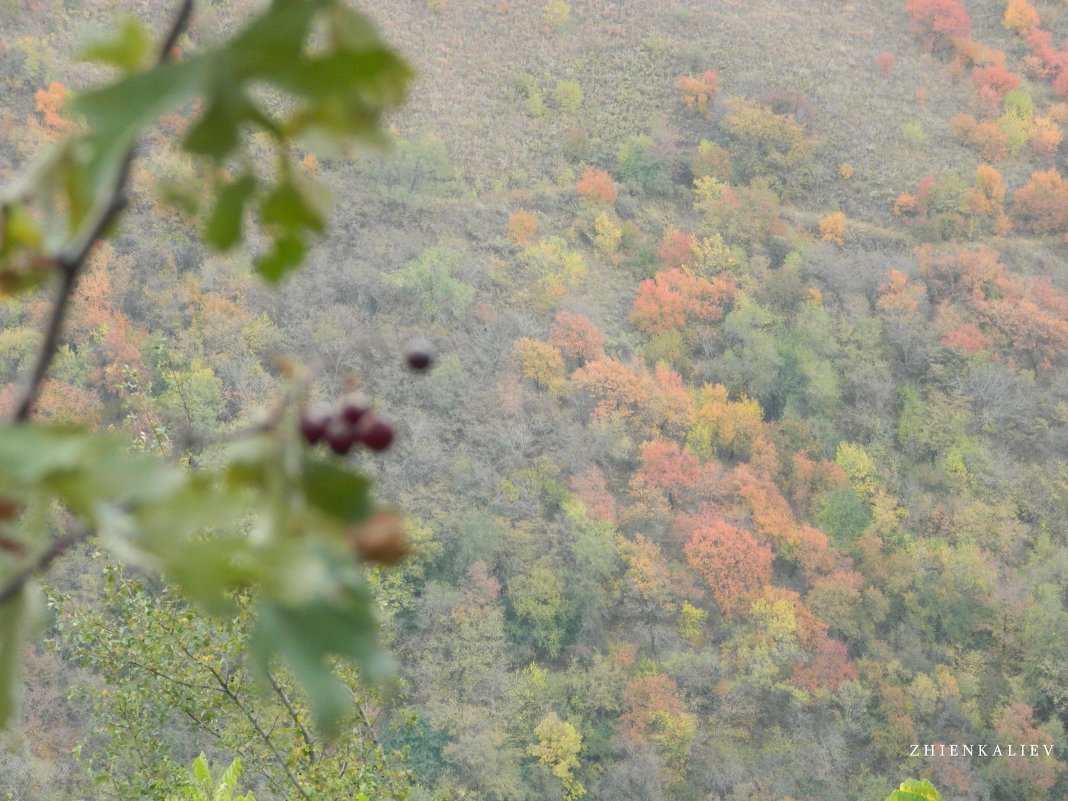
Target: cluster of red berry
345,424
351,421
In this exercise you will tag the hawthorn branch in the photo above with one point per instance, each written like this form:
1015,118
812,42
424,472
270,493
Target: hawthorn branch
225,688
309,741
40,563
71,261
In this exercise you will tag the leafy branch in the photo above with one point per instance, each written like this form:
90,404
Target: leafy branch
301,69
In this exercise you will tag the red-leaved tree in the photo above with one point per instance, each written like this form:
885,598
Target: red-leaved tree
731,560
576,336
941,23
672,298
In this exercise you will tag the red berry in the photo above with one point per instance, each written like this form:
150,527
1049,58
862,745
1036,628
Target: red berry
341,436
419,353
354,406
375,433
314,421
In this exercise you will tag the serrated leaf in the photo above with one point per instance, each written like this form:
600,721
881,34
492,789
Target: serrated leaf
341,494
128,48
119,111
223,230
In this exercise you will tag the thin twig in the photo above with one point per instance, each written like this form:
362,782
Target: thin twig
71,261
304,732
56,548
225,689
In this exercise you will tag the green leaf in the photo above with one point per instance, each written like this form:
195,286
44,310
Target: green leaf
288,253
119,111
217,132
201,772
223,230
32,452
11,617
307,637
290,208
128,48
342,494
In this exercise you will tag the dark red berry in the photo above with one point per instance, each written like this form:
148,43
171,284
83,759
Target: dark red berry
375,433
341,436
354,406
419,353
9,509
314,421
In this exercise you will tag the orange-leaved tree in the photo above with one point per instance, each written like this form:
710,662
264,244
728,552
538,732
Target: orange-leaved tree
732,561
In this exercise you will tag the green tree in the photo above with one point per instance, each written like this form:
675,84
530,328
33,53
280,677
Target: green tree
172,678
638,164
429,281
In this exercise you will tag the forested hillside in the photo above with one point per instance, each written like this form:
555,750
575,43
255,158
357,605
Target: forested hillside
742,465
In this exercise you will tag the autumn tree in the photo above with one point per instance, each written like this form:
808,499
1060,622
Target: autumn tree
1015,723
50,104
1020,17
1042,205
1044,138
988,193
591,488
619,390
542,364
576,336
734,564
597,186
941,23
655,713
553,267
987,137
724,427
698,92
675,249
712,160
668,467
827,668
771,515
656,584
833,228
672,401
992,83
522,227
673,298
743,215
